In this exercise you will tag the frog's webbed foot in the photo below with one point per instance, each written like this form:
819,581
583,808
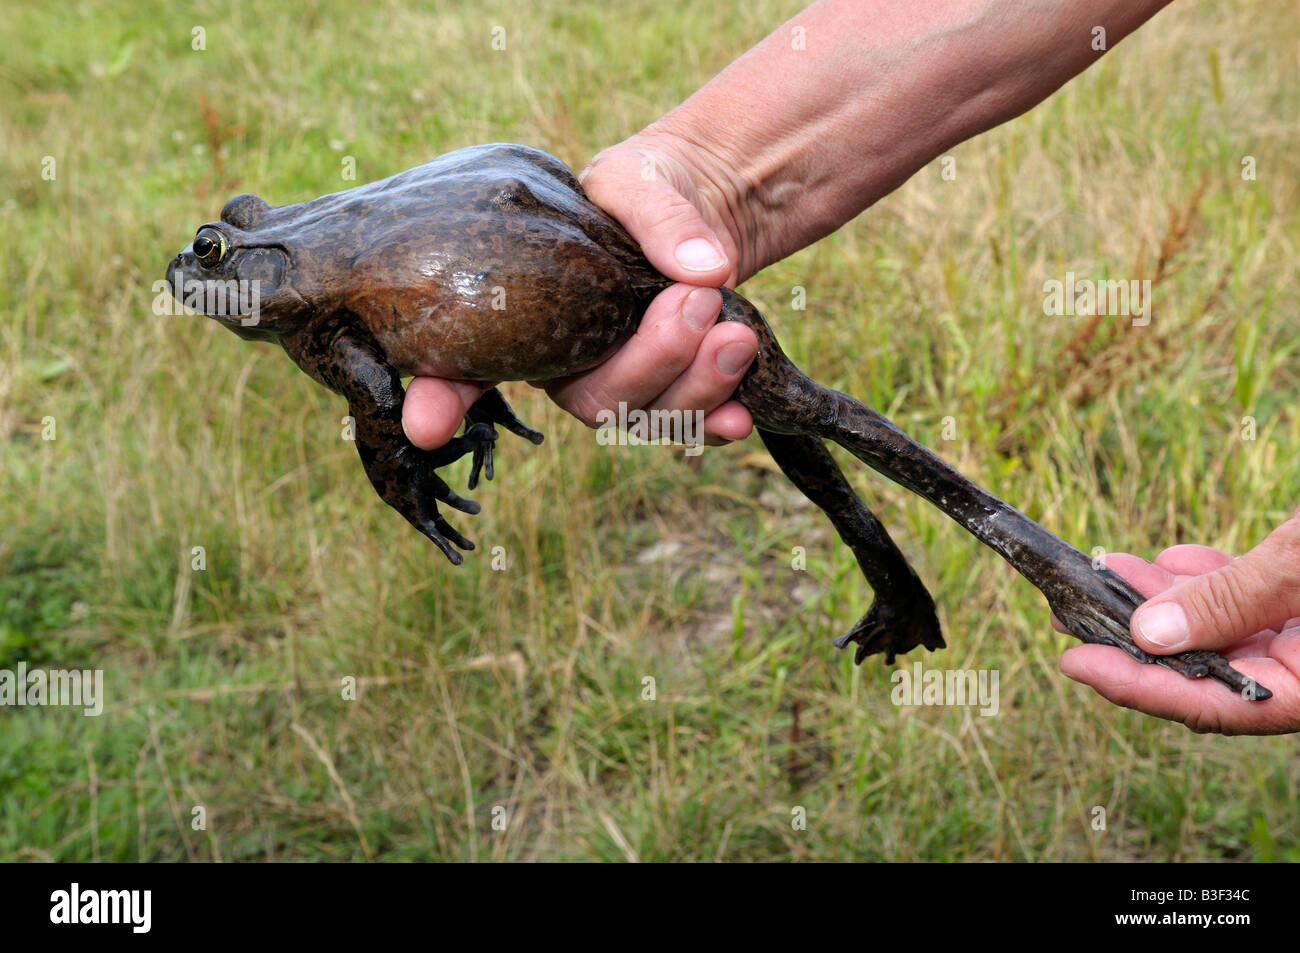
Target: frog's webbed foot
491,409
895,624
902,615
1096,606
417,489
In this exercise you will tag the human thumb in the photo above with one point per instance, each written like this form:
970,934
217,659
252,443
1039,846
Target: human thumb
652,197
1261,590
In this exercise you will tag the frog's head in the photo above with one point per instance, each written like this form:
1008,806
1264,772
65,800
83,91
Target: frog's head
232,274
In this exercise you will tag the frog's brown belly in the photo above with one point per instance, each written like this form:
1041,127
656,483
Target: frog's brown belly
471,343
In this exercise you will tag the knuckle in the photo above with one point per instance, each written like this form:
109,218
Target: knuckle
1286,541
1219,604
726,333
665,210
1204,721
671,344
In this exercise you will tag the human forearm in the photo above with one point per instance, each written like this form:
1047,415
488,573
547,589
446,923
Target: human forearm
784,146
809,128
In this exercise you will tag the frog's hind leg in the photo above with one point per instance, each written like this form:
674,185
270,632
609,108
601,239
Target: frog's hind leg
902,615
1093,603
491,409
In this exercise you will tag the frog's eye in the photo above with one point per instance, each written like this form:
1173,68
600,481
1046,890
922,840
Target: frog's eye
209,246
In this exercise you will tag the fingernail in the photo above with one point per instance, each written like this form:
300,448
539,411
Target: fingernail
404,431
700,309
1163,624
734,356
698,254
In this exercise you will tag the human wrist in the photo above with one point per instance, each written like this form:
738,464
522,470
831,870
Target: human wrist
809,128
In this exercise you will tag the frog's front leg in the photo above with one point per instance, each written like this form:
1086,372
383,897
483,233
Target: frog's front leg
337,351
491,409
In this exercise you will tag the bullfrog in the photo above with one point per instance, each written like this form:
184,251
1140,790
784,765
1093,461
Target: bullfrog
490,264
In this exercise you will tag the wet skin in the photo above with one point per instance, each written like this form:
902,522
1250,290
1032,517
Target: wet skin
490,264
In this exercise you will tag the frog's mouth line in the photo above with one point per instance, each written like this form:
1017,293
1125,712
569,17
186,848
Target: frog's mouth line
237,301
223,298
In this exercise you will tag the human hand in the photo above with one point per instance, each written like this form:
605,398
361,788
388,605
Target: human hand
680,358
1247,609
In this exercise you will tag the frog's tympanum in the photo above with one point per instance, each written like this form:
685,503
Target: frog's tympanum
490,264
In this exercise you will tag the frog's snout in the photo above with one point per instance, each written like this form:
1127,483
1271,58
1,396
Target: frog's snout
179,270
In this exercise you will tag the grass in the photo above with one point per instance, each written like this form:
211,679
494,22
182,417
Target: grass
483,695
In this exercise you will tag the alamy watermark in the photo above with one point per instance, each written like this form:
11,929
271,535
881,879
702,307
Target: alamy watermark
951,687
645,428
75,688
77,906
1085,297
228,297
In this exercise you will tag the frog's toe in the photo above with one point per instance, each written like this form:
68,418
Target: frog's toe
422,513
474,437
528,433
492,408
418,502
446,494
520,429
443,535
432,524
482,463
487,413
483,454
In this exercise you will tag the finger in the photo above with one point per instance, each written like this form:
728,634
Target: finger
1203,705
1147,578
663,347
1189,560
433,409
640,189
1285,647
731,421
1261,590
724,356
1259,645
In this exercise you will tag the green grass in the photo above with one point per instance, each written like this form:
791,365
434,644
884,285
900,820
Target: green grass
521,690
